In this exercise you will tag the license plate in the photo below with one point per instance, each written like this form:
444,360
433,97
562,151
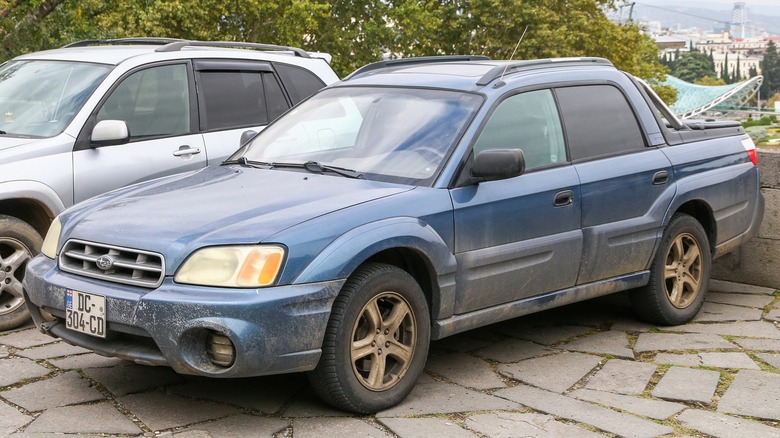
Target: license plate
85,313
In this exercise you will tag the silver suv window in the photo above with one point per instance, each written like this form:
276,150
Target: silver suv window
40,98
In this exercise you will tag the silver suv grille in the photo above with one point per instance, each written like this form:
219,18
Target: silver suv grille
113,263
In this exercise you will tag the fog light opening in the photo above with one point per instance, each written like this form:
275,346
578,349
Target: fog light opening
220,349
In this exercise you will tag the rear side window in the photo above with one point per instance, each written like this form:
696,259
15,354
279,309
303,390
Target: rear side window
237,99
300,83
598,121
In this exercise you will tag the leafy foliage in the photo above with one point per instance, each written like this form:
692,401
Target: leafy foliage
770,68
693,65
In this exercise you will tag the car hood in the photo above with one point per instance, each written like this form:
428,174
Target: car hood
217,206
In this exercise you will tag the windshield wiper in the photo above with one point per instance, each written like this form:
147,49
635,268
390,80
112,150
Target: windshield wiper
311,166
316,167
243,161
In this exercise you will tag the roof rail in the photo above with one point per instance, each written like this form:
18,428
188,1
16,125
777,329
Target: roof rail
530,64
176,44
413,61
123,41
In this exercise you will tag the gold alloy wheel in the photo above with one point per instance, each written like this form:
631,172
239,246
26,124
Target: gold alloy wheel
13,256
383,341
683,271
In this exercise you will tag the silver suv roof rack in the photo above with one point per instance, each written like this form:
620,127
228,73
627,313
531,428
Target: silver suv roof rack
176,44
413,61
531,64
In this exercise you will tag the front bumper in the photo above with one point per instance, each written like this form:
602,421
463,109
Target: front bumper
274,330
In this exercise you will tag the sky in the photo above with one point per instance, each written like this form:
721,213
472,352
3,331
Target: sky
770,7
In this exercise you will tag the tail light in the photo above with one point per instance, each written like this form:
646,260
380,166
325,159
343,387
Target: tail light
750,148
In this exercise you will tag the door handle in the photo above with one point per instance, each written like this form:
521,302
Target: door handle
563,198
660,178
186,150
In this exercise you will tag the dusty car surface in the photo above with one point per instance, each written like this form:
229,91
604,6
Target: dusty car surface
414,200
97,115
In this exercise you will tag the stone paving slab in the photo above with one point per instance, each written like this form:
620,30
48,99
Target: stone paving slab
622,377
264,394
772,359
238,426
66,389
3,351
431,397
556,372
685,360
739,288
657,409
16,369
610,342
93,418
547,335
336,427
133,378
744,300
749,329
725,426
566,407
728,360
426,427
759,344
308,405
161,411
25,339
753,394
773,315
687,385
724,312
631,325
463,342
513,350
48,351
465,370
511,425
671,342
84,361
11,419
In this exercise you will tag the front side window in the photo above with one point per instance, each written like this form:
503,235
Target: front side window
388,134
40,98
154,102
527,121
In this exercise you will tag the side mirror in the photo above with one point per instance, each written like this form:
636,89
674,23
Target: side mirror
246,136
109,133
495,164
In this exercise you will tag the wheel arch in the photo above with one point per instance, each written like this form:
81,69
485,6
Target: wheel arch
30,211
702,212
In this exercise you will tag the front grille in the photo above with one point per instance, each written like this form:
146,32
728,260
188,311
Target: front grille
113,263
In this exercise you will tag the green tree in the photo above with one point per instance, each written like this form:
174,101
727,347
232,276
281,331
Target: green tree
709,81
770,69
692,65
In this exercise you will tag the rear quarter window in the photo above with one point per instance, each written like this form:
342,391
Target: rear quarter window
299,83
598,121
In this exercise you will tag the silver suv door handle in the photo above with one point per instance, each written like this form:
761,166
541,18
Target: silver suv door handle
186,150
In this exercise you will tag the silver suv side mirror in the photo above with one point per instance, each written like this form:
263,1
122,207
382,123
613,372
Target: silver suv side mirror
109,132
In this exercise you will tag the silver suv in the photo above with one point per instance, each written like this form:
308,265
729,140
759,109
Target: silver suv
97,115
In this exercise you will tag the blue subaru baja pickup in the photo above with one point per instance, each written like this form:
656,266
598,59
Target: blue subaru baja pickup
416,199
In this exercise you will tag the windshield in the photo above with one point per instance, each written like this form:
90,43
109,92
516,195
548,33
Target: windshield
40,98
387,134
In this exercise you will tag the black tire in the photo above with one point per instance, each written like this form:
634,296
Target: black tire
380,313
19,242
679,275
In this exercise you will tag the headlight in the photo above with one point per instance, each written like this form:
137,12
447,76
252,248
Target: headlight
49,247
232,266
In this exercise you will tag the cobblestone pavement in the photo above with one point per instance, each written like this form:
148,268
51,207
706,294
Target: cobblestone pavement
589,369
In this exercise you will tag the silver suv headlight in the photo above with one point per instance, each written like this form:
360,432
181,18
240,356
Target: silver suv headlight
232,266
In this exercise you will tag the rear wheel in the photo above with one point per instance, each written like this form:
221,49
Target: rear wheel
679,275
19,242
376,342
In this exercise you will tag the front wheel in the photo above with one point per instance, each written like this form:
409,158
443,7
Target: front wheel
679,275
19,242
376,342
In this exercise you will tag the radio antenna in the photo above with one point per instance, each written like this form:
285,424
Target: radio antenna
513,52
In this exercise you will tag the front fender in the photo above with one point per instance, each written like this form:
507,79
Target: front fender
339,259
39,192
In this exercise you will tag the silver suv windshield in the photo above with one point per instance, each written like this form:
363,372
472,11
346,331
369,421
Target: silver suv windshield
40,98
389,134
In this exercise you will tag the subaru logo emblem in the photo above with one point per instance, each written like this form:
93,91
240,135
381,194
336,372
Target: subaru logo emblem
104,262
